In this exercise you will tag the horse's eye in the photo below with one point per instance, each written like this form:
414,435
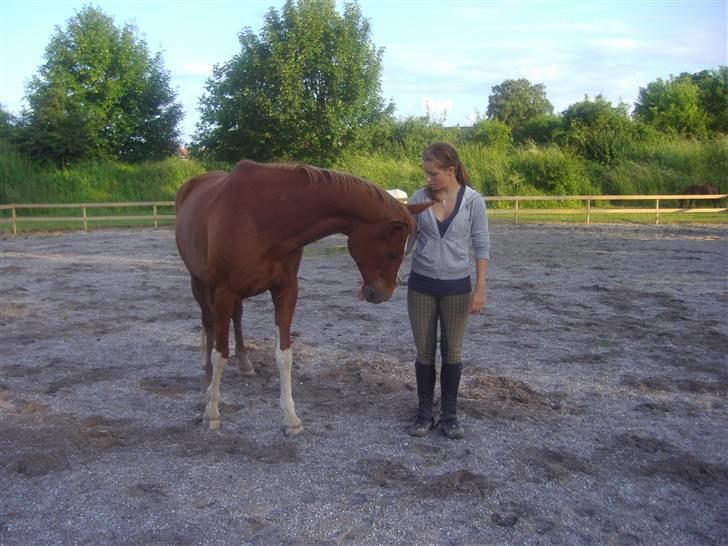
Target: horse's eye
393,256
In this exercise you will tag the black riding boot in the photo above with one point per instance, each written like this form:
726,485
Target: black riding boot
424,420
450,383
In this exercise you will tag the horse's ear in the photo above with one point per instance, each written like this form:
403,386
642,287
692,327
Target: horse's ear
419,207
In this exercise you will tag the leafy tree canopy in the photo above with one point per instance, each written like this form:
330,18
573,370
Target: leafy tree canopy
597,130
712,96
514,102
8,124
100,95
673,107
303,89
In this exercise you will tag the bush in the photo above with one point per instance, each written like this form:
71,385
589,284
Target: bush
22,181
410,136
492,133
538,130
597,131
553,171
387,171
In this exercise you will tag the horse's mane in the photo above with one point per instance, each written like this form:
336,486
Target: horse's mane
339,181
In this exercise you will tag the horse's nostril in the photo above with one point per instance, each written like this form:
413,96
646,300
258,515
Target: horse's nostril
369,293
374,296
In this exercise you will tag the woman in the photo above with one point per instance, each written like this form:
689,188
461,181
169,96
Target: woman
439,286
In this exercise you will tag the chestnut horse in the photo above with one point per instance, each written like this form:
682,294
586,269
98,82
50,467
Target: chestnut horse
242,233
700,189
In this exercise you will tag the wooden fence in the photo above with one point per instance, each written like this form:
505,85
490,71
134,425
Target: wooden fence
154,218
516,209
588,209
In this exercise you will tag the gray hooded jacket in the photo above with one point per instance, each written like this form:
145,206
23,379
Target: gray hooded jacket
448,257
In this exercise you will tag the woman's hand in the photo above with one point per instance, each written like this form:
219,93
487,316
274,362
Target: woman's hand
477,299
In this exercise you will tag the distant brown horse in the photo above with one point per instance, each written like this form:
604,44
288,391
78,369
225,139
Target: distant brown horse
702,189
242,233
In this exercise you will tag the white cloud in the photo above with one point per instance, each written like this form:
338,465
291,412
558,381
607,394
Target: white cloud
622,44
553,27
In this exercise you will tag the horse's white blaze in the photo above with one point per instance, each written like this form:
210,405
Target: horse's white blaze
212,410
284,361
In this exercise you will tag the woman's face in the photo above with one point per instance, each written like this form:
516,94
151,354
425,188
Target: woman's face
437,178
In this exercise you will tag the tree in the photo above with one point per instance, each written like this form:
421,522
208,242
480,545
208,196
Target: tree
597,130
712,96
303,89
99,95
8,125
672,107
514,102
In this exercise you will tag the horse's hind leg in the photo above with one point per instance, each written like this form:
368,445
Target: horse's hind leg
241,355
203,298
222,310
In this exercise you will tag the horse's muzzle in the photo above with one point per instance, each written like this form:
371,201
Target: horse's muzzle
374,296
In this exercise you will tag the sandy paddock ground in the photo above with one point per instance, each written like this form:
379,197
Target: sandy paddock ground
594,400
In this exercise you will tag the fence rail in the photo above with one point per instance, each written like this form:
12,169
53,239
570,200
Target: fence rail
588,209
155,217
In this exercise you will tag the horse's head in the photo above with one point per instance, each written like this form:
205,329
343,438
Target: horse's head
378,250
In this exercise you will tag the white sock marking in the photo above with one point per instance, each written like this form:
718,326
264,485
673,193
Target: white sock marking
212,410
284,361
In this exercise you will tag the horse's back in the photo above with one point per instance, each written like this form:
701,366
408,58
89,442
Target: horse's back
195,183
702,189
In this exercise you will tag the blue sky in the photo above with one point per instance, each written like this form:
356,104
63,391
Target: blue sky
444,55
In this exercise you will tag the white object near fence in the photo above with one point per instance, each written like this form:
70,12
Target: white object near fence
399,195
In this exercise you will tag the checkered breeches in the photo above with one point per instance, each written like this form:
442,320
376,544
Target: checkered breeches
424,314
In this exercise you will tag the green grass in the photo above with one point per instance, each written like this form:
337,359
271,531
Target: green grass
665,167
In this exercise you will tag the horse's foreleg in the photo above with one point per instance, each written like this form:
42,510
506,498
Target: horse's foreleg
284,299
222,311
284,360
241,354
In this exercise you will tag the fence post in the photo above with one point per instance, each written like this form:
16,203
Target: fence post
657,211
154,214
588,211
516,211
15,225
85,219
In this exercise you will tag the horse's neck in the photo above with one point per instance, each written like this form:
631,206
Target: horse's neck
335,213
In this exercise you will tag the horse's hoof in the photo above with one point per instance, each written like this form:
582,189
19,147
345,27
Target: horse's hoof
247,372
290,432
213,424
244,365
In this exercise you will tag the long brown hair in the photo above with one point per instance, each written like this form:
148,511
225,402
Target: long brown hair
446,156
